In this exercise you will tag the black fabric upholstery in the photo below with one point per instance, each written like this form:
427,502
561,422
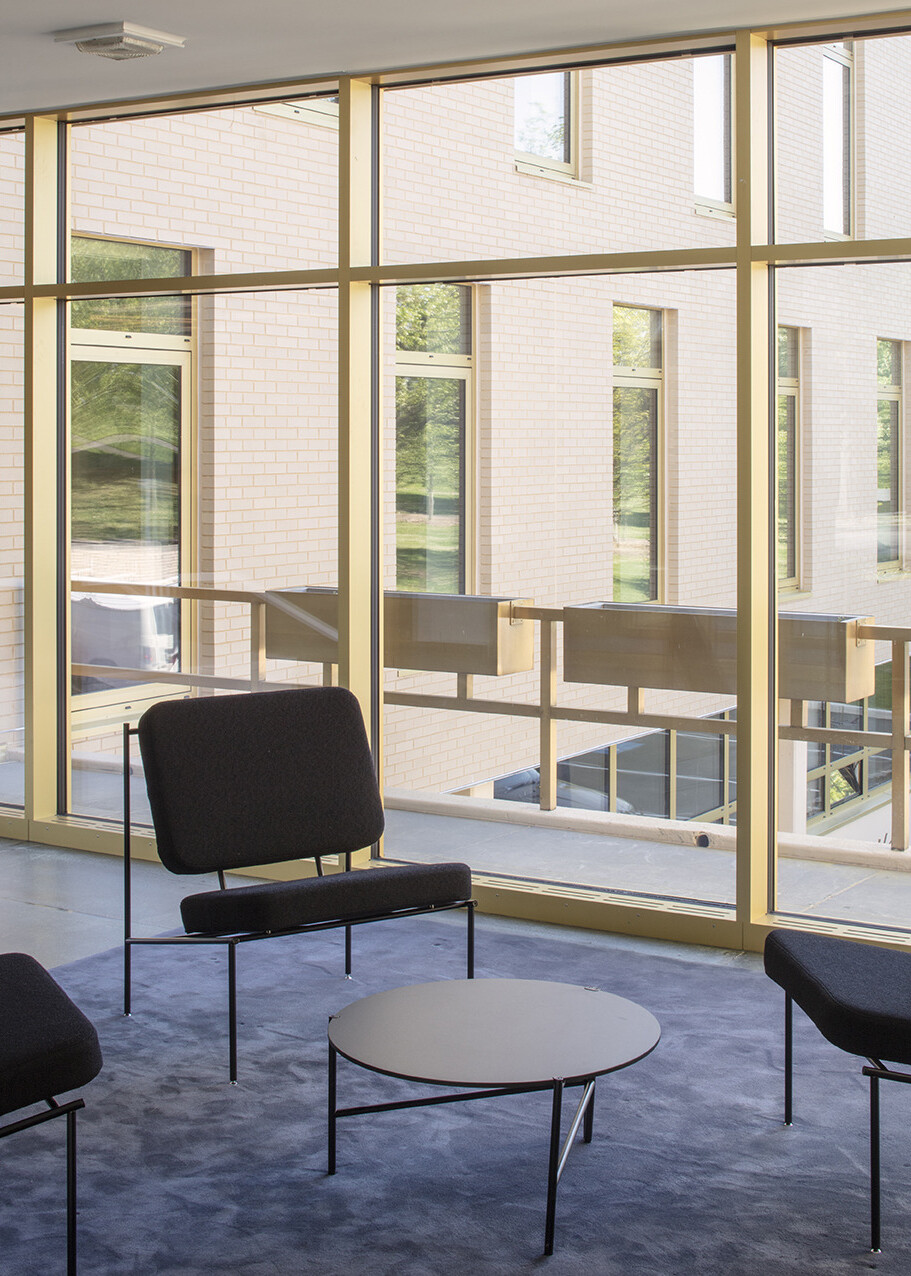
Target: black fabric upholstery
282,905
859,996
47,1046
237,781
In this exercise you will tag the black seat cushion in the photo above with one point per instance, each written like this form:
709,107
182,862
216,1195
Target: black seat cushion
47,1046
859,996
274,906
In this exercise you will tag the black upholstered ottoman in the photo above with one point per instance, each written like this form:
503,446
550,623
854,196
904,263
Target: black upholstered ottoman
47,1047
859,997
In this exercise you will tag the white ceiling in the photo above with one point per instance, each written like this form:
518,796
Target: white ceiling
238,42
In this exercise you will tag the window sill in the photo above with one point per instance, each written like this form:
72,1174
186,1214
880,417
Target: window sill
722,212
551,174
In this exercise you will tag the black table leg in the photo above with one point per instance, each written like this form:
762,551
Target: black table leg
553,1166
332,1069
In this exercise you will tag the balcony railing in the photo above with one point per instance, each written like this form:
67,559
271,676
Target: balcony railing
820,658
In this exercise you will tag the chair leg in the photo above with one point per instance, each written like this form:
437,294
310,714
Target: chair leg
788,1058
127,981
471,940
874,1166
232,1013
71,1194
347,952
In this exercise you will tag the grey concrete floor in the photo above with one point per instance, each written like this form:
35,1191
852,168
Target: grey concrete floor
60,905
845,892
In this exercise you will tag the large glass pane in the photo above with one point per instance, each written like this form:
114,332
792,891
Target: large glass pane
244,188
575,380
12,207
843,146
11,557
485,168
836,799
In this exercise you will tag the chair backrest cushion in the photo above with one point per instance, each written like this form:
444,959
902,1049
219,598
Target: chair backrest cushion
240,780
47,1045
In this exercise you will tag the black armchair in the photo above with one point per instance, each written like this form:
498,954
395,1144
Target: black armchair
859,997
239,781
47,1047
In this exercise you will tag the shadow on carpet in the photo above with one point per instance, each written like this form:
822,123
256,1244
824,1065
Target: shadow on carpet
690,1170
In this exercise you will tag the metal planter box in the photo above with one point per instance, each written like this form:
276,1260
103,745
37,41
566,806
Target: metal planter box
443,633
695,649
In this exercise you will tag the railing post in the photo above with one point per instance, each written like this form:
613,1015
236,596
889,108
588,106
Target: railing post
900,769
547,797
257,644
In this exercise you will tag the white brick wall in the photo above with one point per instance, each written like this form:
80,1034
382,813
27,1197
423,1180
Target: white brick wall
252,191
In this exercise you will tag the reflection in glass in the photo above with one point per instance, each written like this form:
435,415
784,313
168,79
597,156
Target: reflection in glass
125,509
788,386
836,139
433,339
637,338
429,428
100,259
433,318
888,450
712,128
637,372
542,116
635,493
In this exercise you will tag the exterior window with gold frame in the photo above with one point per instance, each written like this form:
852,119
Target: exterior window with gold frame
546,119
889,411
788,443
434,430
838,140
638,340
131,418
713,185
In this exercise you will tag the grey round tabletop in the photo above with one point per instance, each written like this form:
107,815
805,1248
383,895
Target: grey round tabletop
493,1032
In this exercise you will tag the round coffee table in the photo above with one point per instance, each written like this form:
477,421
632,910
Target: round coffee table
494,1037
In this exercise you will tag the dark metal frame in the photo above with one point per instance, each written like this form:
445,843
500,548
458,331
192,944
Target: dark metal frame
231,941
557,1157
68,1110
876,1071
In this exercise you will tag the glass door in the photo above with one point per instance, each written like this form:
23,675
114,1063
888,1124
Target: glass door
129,417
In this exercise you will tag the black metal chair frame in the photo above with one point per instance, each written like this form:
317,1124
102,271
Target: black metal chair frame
877,1071
231,941
68,1110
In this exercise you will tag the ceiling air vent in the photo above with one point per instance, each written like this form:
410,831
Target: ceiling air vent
119,40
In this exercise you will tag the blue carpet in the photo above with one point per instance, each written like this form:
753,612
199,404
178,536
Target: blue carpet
690,1171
